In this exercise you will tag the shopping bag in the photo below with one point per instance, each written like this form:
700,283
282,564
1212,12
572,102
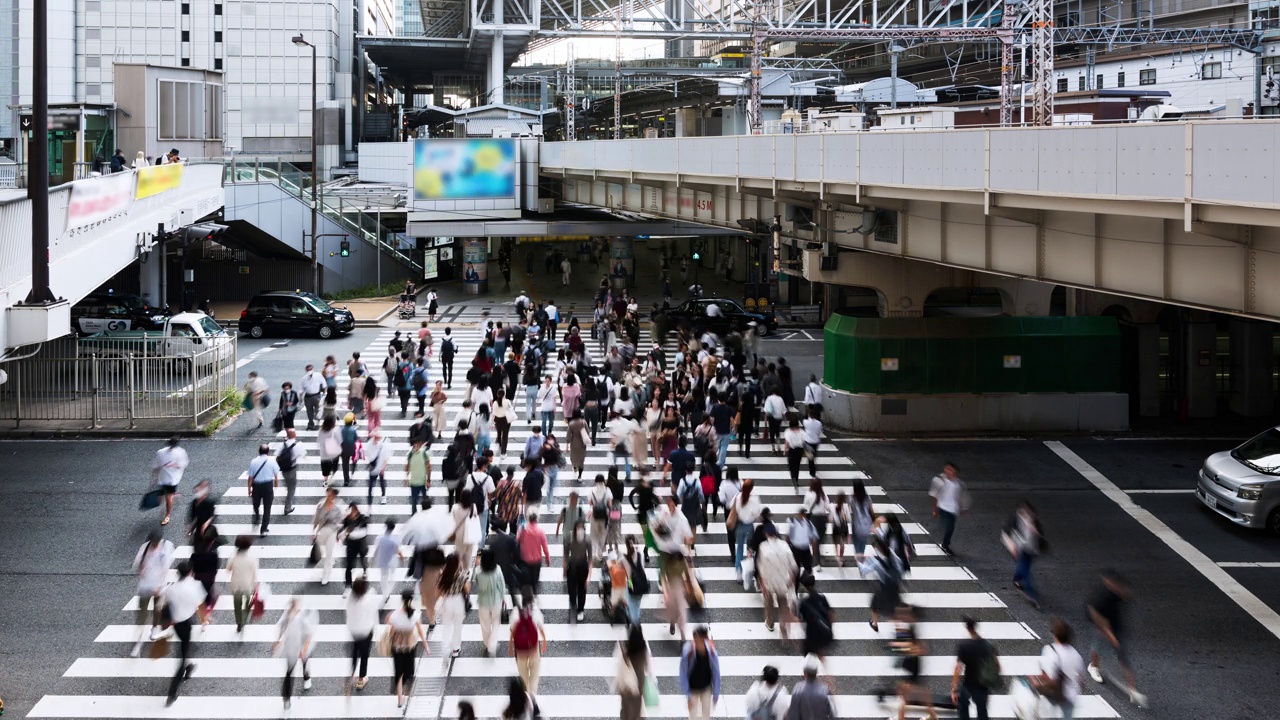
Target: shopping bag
151,499
314,558
748,573
159,648
650,692
247,403
258,603
277,423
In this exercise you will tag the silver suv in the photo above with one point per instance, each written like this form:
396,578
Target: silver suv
1243,485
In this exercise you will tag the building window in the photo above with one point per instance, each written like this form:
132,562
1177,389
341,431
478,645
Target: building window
186,62
186,8
1120,79
217,36
186,36
1080,83
1062,84
92,61
190,110
217,8
1147,77
93,89
1211,71
1099,85
217,63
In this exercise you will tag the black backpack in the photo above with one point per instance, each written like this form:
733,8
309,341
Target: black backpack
446,349
600,507
690,503
449,466
478,498
419,378
401,378
284,459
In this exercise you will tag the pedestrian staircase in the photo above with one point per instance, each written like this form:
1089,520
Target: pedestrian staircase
294,182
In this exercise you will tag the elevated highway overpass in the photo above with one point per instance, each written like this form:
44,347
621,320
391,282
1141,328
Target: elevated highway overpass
1184,213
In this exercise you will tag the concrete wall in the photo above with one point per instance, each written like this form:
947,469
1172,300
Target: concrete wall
389,162
906,414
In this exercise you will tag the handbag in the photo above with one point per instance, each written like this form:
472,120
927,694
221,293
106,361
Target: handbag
159,648
277,423
384,643
150,499
314,558
650,691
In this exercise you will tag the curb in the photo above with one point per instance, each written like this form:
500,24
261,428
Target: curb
114,433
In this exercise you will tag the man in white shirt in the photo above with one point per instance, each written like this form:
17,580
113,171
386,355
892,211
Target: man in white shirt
948,497
166,472
480,478
547,405
776,567
553,318
620,431
312,388
183,600
287,459
264,478
1061,670
713,310
812,429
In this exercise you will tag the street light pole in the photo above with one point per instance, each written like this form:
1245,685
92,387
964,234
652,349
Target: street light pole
300,41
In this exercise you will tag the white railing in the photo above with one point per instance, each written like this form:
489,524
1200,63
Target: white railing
1141,161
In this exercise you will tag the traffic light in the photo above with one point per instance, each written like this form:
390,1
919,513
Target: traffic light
697,249
344,248
200,232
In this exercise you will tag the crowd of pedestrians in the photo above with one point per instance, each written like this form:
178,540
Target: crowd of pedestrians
668,423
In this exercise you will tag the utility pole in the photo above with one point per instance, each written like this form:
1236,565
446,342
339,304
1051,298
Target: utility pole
38,160
1008,71
570,101
894,51
757,61
1042,61
617,76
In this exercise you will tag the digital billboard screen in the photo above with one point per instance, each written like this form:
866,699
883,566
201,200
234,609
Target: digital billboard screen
445,169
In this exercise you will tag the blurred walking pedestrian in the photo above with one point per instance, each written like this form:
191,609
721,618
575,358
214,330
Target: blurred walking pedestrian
700,674
454,586
325,523
634,668
362,619
491,591
349,437
296,632
404,626
767,699
528,642
288,456
167,468
948,500
776,568
387,556
976,675
378,453
1106,612
328,448
243,582
355,538
1061,678
151,564
185,600
255,397
313,387
1024,538
811,699
289,404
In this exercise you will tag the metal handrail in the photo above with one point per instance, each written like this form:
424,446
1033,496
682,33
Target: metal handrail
349,217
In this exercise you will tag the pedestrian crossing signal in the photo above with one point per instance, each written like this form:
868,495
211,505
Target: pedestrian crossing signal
344,248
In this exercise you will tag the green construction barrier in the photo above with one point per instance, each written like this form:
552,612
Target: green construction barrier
972,355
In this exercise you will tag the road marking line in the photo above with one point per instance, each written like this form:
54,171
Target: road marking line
1247,601
1175,491
1249,564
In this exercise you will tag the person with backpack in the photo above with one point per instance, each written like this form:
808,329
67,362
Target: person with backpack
528,641
601,502
288,456
700,674
1061,678
378,452
348,438
887,569
637,580
977,673
818,618
767,699
689,491
448,349
420,381
634,664
479,488
417,468
401,380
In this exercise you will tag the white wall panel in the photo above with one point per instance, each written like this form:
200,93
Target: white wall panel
1015,161
1235,161
1150,160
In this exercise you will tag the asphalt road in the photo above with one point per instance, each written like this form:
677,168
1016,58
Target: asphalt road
70,527
1197,653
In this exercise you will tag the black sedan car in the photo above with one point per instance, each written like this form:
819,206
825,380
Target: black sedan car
290,312
110,312
727,315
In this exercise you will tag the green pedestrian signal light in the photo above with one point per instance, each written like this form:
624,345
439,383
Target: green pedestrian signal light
697,255
344,248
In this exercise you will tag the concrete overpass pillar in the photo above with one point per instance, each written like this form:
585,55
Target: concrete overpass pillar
1022,298
621,261
149,277
496,60
1200,363
1251,362
1148,370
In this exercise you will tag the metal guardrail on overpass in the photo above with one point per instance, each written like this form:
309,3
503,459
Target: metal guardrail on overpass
88,246
1185,212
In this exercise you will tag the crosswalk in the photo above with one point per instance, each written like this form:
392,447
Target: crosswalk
236,675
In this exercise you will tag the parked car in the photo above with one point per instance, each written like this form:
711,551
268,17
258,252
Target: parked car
732,316
182,336
292,312
1243,485
110,311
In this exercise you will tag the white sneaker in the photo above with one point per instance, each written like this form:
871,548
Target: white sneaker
137,649
384,499
1096,674
817,569
346,593
1137,698
155,631
324,581
581,615
306,683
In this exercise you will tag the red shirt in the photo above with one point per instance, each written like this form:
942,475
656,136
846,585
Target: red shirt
533,544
